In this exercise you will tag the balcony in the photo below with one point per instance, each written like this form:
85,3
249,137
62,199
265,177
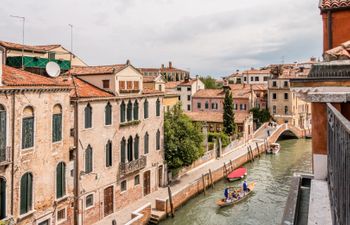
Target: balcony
133,166
5,156
129,91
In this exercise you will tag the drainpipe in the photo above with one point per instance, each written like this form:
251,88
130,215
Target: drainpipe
76,165
13,150
329,29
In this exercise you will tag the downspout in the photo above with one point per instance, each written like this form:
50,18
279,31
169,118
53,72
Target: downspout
13,150
76,165
329,29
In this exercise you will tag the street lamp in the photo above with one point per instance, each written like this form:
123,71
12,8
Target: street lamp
23,22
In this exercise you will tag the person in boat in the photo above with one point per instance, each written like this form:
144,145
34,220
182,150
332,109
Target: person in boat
227,194
234,194
245,187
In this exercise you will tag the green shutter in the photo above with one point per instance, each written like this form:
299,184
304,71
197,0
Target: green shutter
158,108
109,154
56,127
2,135
145,106
122,150
23,204
63,179
122,112
108,114
136,110
146,143
88,116
129,111
88,159
158,140
28,132
136,147
29,192
58,181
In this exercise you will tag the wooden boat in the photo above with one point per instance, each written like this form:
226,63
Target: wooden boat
274,148
241,196
237,174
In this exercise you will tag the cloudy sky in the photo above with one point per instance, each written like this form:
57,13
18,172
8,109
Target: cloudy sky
212,37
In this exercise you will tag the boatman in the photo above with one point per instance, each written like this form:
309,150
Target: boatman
226,193
245,187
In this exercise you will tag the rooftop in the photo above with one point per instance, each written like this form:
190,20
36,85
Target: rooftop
215,117
209,93
35,48
334,4
97,70
341,52
172,84
83,89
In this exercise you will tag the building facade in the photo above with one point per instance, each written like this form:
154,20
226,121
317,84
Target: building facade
252,76
169,73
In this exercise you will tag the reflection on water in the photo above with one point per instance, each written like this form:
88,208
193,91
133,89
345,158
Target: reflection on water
265,206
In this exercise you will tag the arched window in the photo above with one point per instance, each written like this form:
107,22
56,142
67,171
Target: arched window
122,150
28,128
158,140
57,123
109,154
285,109
122,112
108,114
60,180
26,193
88,159
146,143
145,109
129,111
136,110
158,107
3,135
130,156
206,105
136,147
88,116
2,198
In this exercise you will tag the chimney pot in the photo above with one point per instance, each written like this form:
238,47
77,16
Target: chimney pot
170,64
162,66
127,62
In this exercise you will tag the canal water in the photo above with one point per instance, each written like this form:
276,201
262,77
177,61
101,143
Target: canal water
272,174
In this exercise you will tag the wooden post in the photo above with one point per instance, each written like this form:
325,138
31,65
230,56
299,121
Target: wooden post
171,202
225,170
203,184
211,179
257,146
232,168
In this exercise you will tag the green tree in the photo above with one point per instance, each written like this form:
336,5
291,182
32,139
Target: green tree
229,116
183,139
209,82
260,116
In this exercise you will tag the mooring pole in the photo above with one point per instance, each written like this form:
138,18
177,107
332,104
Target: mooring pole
211,179
171,202
203,184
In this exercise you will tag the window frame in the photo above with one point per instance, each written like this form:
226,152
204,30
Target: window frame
122,190
92,160
65,215
88,106
137,176
110,113
92,203
64,179
29,207
32,118
104,82
109,154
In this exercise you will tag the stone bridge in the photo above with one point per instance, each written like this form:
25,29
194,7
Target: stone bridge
288,130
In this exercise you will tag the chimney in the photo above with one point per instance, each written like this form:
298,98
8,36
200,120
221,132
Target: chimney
170,64
313,59
187,78
128,62
162,66
197,77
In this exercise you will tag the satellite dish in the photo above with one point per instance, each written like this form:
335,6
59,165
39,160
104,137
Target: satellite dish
53,69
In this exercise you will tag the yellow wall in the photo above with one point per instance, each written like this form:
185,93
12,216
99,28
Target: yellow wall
169,102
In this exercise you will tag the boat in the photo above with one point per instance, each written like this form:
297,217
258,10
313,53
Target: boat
241,196
273,149
237,174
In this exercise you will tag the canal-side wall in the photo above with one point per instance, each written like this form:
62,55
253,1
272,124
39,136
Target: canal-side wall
141,216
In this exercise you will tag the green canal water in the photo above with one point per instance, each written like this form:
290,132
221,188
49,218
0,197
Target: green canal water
272,174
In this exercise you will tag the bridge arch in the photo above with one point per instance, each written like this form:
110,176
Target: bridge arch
285,131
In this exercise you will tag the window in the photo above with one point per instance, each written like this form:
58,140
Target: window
285,109
274,84
122,150
57,123
136,110
122,85
89,201
129,111
238,81
2,133
188,97
265,78
274,96
136,147
199,105
241,106
122,112
51,55
251,78
188,88
188,107
108,114
26,193
244,106
105,83
137,180
2,198
145,109
136,85
235,106
61,215
129,152
160,87
285,96
158,107
28,128
146,143
207,105
286,83
178,88
245,78
256,78
88,116
88,159
129,85
274,109
158,140
109,153
60,180
212,105
123,185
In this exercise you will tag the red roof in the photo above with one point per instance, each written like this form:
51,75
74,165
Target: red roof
172,84
341,52
83,89
15,77
187,83
334,4
209,93
35,48
147,91
95,70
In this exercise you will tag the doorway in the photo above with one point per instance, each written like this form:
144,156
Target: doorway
146,182
160,176
108,201
2,198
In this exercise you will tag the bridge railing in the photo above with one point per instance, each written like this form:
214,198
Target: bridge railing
339,165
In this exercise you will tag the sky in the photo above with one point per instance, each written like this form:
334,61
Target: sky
206,37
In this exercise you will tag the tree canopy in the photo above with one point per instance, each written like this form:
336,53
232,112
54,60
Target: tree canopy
229,116
209,82
260,115
183,139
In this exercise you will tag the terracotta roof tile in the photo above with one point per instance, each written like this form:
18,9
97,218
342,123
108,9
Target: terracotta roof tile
341,52
146,91
16,77
149,79
215,117
83,89
172,84
209,93
36,48
187,83
96,70
334,4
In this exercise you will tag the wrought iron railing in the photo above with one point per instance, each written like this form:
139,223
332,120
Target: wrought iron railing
339,165
133,166
5,155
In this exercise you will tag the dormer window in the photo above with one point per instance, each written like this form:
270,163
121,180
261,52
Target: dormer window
105,84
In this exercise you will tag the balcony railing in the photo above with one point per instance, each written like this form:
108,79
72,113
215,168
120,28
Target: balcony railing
5,156
339,165
133,166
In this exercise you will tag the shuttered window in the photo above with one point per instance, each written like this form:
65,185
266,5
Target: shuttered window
108,114
122,150
122,85
28,128
129,111
60,180
2,133
145,109
158,140
2,198
136,147
57,124
88,116
146,143
158,107
109,154
136,110
26,193
88,159
130,143
122,112
129,85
